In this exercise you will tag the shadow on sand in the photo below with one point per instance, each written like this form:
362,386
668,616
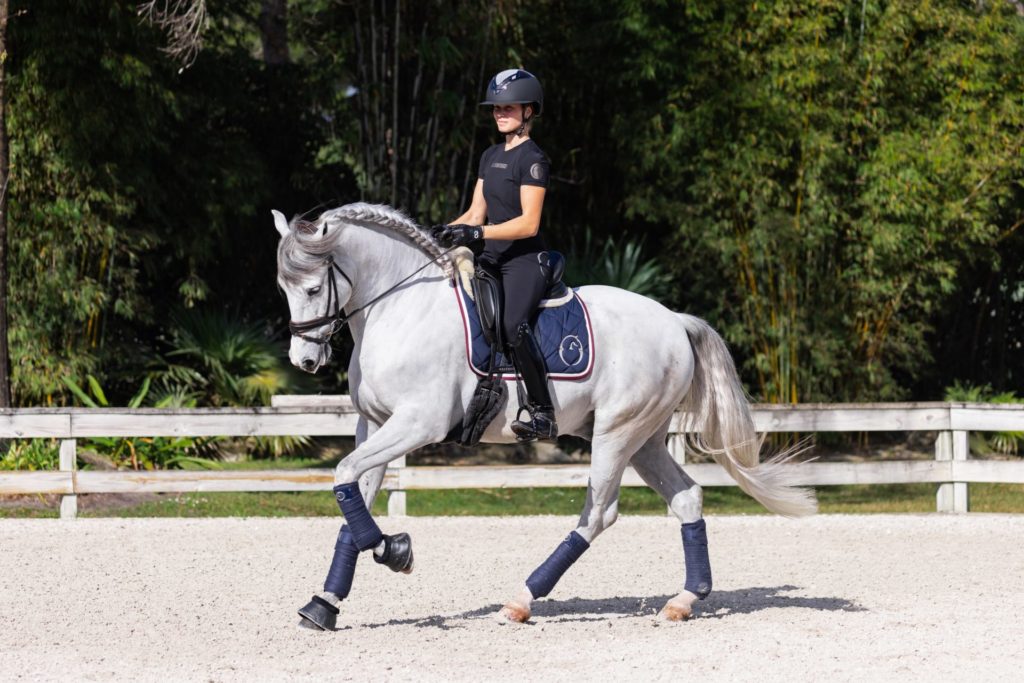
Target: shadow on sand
719,605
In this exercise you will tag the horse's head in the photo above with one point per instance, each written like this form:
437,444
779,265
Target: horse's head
317,288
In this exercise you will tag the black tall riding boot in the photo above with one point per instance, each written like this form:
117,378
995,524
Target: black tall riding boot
529,362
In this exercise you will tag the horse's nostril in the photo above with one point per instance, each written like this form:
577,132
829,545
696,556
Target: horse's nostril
308,364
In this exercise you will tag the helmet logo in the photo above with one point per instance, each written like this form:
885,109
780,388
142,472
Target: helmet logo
504,79
536,172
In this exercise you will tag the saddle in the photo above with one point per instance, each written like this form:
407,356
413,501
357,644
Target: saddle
490,391
489,295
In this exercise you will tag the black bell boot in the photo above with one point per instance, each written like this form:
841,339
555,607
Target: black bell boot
397,555
529,362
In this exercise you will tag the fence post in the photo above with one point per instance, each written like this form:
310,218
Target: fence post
952,497
69,463
396,498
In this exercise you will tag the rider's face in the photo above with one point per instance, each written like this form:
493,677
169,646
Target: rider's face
508,117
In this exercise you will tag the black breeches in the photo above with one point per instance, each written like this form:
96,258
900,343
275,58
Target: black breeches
524,281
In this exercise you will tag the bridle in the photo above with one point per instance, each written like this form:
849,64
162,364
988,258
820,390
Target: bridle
339,318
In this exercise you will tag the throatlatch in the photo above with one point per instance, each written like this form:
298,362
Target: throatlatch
695,554
544,577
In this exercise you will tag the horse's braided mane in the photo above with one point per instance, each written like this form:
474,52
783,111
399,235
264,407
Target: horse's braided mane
303,248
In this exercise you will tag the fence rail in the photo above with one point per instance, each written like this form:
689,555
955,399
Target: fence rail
952,469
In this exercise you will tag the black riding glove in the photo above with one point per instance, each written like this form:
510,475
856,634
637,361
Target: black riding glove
461,235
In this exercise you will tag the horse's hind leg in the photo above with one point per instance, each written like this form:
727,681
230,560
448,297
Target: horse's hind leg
609,455
655,465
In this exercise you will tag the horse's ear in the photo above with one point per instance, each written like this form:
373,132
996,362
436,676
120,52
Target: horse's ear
280,222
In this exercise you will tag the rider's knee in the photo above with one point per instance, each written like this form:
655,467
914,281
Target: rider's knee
512,331
345,473
688,504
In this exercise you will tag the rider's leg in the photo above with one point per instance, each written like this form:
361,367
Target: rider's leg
524,280
661,472
529,362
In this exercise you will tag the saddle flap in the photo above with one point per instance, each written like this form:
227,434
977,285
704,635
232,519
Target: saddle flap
487,292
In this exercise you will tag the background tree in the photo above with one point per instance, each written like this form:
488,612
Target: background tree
836,186
5,360
828,171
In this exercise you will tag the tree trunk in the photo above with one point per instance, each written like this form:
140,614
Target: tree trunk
5,361
273,23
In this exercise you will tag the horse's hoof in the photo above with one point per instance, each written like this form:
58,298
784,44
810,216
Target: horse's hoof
515,613
319,614
397,554
675,611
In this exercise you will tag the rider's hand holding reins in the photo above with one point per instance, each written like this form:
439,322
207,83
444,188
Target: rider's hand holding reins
461,235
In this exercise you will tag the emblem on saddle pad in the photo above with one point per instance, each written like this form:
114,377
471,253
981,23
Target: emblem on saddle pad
571,350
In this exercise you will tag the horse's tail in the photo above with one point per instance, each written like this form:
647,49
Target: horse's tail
718,407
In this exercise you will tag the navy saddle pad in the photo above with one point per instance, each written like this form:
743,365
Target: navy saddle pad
564,334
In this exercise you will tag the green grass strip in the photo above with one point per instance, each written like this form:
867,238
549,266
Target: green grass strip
896,498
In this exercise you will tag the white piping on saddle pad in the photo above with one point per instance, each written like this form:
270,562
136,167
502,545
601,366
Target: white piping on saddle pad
463,259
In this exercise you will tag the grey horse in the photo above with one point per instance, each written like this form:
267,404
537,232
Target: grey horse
411,383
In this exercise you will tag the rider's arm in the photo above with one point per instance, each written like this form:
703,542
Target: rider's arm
526,224
477,211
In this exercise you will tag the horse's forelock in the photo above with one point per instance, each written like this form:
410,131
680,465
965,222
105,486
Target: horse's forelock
295,260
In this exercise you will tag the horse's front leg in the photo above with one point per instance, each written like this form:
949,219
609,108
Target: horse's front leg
367,464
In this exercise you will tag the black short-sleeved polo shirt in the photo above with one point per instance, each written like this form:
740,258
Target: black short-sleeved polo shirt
503,173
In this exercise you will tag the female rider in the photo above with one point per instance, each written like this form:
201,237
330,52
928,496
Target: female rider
509,197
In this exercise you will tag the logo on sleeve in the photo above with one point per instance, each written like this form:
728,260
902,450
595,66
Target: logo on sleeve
537,172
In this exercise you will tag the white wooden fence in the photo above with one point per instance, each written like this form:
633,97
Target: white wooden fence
952,469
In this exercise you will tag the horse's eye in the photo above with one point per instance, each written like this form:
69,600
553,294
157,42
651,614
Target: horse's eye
313,291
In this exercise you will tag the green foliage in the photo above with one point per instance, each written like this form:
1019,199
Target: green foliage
131,183
827,171
618,265
225,360
140,452
836,186
31,454
1007,443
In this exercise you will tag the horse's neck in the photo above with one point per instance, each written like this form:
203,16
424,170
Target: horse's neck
384,259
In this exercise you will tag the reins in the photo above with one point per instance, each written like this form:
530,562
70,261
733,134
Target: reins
340,318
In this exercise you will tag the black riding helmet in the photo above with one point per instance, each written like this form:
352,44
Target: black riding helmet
515,86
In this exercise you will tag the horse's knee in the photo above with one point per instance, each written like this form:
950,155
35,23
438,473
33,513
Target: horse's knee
688,504
346,471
